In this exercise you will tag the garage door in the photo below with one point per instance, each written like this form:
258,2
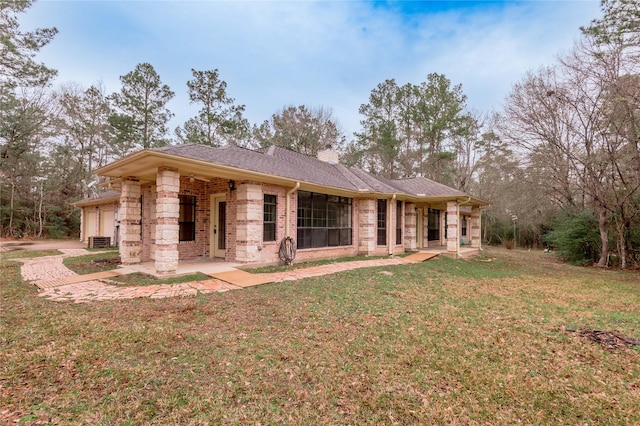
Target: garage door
89,224
106,224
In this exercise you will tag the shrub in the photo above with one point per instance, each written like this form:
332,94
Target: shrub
575,237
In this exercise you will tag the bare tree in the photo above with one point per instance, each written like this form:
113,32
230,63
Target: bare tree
302,129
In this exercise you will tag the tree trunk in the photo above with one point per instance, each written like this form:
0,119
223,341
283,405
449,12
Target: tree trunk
604,237
624,239
13,192
40,210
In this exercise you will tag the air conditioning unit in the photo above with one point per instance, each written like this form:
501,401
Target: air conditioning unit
99,242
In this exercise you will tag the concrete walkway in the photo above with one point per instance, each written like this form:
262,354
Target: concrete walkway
58,283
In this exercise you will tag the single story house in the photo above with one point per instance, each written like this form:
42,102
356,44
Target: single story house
190,202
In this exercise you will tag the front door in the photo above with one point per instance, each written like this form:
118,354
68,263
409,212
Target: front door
217,242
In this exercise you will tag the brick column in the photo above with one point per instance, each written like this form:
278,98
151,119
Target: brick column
410,226
130,218
475,225
167,213
453,218
249,222
367,226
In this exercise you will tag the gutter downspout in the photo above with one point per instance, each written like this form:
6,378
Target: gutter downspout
391,241
287,215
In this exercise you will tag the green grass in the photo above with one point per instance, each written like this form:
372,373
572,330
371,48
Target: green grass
140,279
440,342
23,254
91,263
311,263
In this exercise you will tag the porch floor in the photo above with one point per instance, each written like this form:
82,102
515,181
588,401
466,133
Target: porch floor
185,267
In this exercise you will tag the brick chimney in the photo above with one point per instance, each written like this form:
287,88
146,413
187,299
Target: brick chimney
328,155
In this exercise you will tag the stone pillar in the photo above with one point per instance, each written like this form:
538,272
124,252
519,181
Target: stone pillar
130,221
410,226
367,227
167,214
250,206
475,225
443,226
453,218
391,224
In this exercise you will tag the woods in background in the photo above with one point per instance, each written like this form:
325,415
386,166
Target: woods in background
560,164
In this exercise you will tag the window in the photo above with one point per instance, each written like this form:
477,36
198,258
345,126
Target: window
382,222
187,218
464,225
433,223
323,220
398,222
269,218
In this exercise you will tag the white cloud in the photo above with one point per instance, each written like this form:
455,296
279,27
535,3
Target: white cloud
273,54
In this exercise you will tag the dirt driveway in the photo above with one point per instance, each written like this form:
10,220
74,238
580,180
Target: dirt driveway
11,245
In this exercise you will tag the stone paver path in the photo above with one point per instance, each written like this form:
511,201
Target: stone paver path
58,283
95,291
332,268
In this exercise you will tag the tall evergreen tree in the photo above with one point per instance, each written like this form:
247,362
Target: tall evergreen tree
416,130
142,115
25,116
18,49
219,121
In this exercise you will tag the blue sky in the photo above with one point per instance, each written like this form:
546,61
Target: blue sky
274,54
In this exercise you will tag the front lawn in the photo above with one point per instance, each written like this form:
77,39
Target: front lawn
440,342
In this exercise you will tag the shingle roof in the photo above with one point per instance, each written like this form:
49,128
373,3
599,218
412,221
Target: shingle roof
421,186
97,199
289,164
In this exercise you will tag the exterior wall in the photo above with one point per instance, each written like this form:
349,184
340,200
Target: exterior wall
244,223
130,215
187,250
199,248
93,224
268,250
254,249
410,226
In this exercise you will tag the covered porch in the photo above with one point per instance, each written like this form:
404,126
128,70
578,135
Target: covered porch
451,227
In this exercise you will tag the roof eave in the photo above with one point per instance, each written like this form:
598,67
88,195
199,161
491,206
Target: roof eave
96,201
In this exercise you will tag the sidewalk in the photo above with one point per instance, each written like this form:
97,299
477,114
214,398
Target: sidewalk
58,283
